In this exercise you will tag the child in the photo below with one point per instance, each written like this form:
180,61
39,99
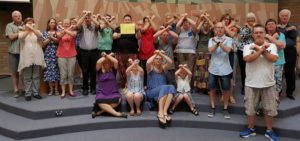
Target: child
183,77
135,92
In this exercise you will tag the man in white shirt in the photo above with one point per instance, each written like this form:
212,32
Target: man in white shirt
260,57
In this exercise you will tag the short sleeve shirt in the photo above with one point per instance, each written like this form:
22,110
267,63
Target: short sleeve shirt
260,72
14,45
220,64
127,43
88,37
66,46
105,39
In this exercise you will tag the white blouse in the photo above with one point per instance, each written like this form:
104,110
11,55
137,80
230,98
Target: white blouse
31,52
183,85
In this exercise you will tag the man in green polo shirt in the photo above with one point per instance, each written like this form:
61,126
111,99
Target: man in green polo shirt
12,32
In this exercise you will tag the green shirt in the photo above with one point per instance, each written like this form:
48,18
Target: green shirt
14,45
203,41
105,40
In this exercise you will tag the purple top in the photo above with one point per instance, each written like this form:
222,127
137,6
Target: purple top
107,85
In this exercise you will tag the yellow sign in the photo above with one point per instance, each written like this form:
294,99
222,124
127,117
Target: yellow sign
127,28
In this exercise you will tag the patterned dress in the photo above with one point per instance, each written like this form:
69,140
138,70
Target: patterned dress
51,72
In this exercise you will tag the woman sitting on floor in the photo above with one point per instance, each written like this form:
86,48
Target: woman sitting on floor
158,89
135,92
108,97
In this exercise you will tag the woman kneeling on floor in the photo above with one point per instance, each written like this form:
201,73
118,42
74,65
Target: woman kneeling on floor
135,92
183,78
158,89
108,97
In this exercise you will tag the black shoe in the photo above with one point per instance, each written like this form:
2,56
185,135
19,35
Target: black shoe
290,97
94,114
93,91
37,96
123,115
85,92
28,98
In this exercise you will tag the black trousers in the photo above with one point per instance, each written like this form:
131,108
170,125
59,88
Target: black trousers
88,60
290,55
143,65
242,65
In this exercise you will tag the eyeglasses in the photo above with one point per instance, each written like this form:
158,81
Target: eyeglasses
219,27
258,32
158,58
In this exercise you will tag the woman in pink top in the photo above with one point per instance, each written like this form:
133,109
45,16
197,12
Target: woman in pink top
66,54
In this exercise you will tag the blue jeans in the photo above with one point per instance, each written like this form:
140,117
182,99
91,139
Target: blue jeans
213,81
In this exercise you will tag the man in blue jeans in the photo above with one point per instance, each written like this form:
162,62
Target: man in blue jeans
219,69
260,57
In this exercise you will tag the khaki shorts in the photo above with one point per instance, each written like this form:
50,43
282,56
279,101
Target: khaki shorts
265,96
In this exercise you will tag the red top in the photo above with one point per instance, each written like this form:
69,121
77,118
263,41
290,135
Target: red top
147,47
66,46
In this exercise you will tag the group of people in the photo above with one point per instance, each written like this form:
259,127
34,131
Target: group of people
160,65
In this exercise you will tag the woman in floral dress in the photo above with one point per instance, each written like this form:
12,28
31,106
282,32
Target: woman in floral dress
50,42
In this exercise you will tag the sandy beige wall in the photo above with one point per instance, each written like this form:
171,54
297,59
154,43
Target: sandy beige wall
60,9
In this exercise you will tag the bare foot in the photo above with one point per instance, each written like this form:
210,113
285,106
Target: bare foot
131,113
138,112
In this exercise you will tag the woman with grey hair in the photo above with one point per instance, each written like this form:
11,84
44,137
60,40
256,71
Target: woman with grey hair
245,38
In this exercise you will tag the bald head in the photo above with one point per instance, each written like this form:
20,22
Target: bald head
219,29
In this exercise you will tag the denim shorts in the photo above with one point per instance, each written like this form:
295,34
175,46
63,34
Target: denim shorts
213,81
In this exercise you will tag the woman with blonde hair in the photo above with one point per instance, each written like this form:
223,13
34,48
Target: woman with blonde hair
108,96
158,90
31,59
66,54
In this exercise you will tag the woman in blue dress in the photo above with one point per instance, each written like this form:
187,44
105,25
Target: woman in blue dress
158,89
135,92
50,42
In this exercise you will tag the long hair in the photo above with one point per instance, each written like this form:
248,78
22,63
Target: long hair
110,68
48,27
224,16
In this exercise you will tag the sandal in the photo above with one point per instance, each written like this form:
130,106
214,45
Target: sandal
195,112
168,118
162,121
50,93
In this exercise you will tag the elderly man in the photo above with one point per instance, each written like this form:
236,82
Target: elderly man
219,69
260,57
88,51
291,31
12,32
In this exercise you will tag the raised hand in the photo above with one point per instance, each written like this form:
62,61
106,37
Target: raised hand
136,61
130,61
103,54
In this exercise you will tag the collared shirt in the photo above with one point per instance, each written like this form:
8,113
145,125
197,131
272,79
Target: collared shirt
290,36
88,37
14,45
220,64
